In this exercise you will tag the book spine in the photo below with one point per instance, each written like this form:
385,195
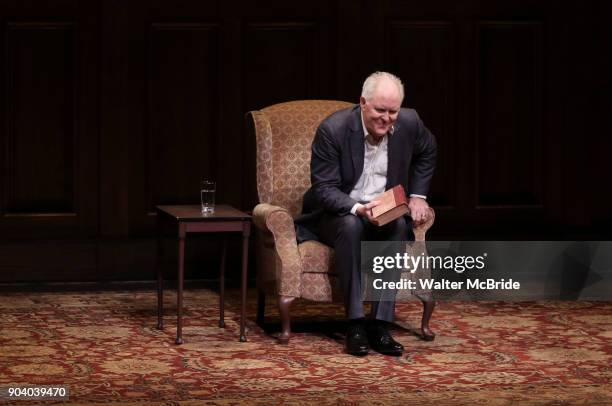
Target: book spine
399,195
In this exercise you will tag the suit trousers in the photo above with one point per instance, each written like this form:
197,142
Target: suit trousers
345,234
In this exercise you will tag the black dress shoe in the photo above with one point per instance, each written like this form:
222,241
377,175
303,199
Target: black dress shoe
381,341
356,339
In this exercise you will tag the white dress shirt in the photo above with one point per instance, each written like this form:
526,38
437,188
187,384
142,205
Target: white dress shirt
373,179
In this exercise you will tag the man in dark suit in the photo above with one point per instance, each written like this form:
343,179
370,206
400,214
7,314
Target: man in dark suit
358,153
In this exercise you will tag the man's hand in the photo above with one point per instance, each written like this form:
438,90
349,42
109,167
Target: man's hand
366,211
419,209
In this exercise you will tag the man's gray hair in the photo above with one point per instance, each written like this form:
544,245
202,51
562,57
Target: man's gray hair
370,84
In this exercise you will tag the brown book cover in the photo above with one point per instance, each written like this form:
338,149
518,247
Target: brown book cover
393,204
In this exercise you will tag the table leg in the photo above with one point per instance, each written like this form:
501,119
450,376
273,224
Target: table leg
179,288
222,285
243,286
160,278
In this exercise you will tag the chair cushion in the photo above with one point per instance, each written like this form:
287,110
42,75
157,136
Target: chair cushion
321,287
316,287
316,257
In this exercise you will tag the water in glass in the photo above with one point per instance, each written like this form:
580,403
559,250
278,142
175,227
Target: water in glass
207,196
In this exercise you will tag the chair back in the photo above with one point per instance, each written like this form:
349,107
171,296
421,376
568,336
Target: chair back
284,134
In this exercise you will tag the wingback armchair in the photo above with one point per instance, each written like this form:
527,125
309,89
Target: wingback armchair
287,270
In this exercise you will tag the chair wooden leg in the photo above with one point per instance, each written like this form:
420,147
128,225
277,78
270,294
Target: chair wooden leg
284,303
428,308
261,308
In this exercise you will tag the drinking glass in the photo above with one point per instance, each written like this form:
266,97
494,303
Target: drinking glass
207,197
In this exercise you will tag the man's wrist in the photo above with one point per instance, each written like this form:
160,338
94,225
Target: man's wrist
421,196
356,207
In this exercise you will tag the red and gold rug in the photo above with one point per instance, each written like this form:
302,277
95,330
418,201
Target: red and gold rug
105,348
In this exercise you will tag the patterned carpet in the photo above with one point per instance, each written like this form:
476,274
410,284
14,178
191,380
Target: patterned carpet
105,348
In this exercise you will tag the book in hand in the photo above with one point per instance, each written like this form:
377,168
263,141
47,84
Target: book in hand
393,205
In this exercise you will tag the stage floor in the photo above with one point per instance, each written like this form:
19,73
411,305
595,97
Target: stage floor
105,348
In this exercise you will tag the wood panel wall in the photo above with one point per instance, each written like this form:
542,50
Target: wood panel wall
109,108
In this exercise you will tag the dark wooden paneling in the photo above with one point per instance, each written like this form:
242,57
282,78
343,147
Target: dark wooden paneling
422,54
44,261
600,40
510,131
108,108
183,111
48,130
39,176
116,110
280,62
175,63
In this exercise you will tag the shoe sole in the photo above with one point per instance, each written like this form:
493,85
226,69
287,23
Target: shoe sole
358,354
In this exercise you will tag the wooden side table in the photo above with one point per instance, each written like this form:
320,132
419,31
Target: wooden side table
189,219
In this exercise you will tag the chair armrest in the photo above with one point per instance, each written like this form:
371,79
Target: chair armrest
278,221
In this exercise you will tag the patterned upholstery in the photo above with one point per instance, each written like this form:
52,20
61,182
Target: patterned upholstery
287,266
321,287
316,257
284,134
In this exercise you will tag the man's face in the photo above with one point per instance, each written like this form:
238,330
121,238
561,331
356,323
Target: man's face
380,112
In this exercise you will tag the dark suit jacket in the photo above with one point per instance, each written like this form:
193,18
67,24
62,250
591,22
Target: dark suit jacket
337,162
